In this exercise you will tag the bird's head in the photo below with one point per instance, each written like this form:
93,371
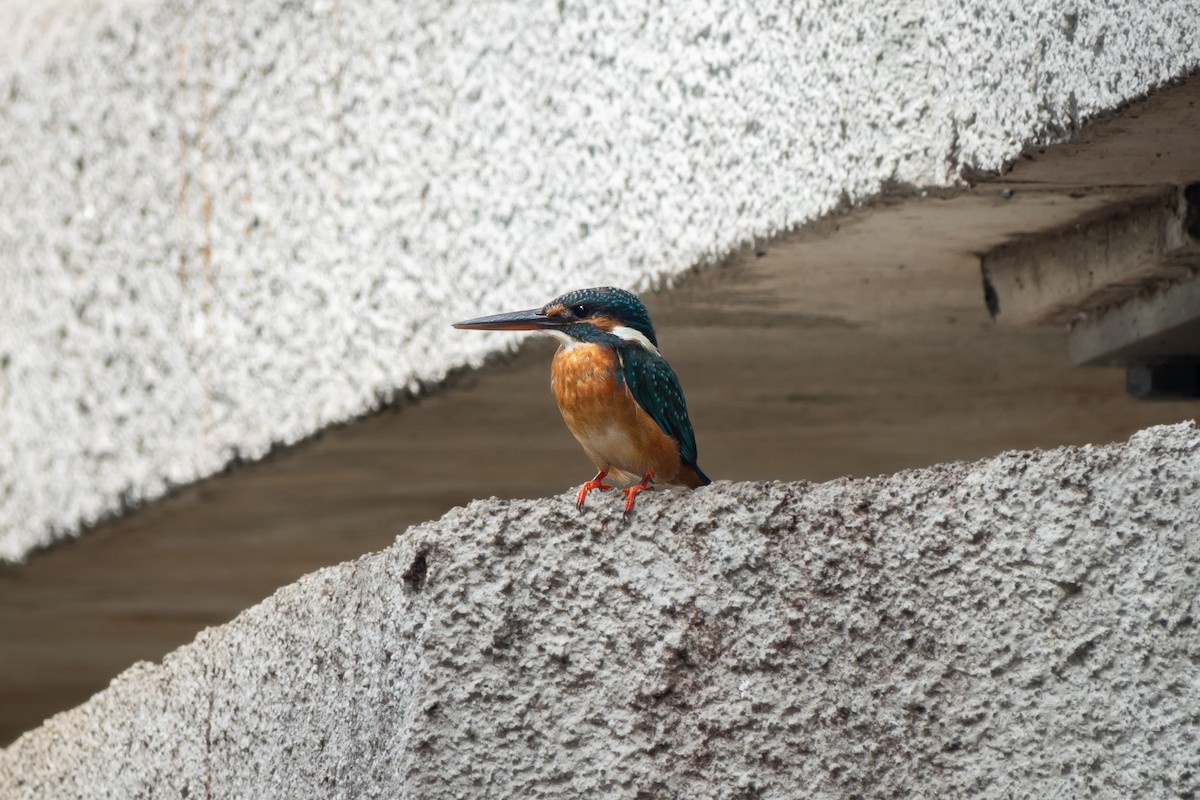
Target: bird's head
581,315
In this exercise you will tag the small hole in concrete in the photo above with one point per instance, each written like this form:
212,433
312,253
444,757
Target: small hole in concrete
990,299
1192,217
414,576
1069,587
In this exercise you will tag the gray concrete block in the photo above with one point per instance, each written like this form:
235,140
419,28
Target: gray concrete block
227,225
1024,626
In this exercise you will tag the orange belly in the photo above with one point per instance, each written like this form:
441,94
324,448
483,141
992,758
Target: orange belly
618,436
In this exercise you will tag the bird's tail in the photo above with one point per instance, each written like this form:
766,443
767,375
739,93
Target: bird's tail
691,476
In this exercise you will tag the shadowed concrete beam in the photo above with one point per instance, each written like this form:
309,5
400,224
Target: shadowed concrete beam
1151,327
1079,272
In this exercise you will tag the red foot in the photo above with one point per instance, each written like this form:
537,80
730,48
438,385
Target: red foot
595,483
631,492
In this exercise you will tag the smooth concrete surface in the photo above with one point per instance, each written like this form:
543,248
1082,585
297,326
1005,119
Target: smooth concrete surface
229,224
1022,626
1154,327
1085,271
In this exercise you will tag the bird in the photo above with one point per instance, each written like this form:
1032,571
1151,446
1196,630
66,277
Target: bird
617,394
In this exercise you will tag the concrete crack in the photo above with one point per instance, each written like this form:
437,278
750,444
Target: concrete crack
212,698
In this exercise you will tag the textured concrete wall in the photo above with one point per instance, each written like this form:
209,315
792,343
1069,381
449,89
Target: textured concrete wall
224,225
1024,626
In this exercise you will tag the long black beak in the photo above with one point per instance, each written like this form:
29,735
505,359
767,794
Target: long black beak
531,320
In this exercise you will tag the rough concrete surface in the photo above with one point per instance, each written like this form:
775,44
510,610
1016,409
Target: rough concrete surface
1024,626
228,224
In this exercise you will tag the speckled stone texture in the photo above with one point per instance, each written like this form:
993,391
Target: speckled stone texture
227,224
1024,626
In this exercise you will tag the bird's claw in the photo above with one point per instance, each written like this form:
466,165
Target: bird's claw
631,492
595,483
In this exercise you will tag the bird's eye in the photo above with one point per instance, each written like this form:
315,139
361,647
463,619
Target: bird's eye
580,310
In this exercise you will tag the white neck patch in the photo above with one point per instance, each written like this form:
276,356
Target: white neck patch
567,342
628,334
631,335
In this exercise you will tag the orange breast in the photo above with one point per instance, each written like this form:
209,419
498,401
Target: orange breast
599,411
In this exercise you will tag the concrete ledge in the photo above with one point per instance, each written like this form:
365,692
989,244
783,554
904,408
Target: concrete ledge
1155,326
1021,626
1064,276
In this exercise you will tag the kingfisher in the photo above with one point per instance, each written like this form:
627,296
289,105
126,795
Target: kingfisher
618,396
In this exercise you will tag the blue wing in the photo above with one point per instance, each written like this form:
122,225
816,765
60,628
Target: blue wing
656,389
